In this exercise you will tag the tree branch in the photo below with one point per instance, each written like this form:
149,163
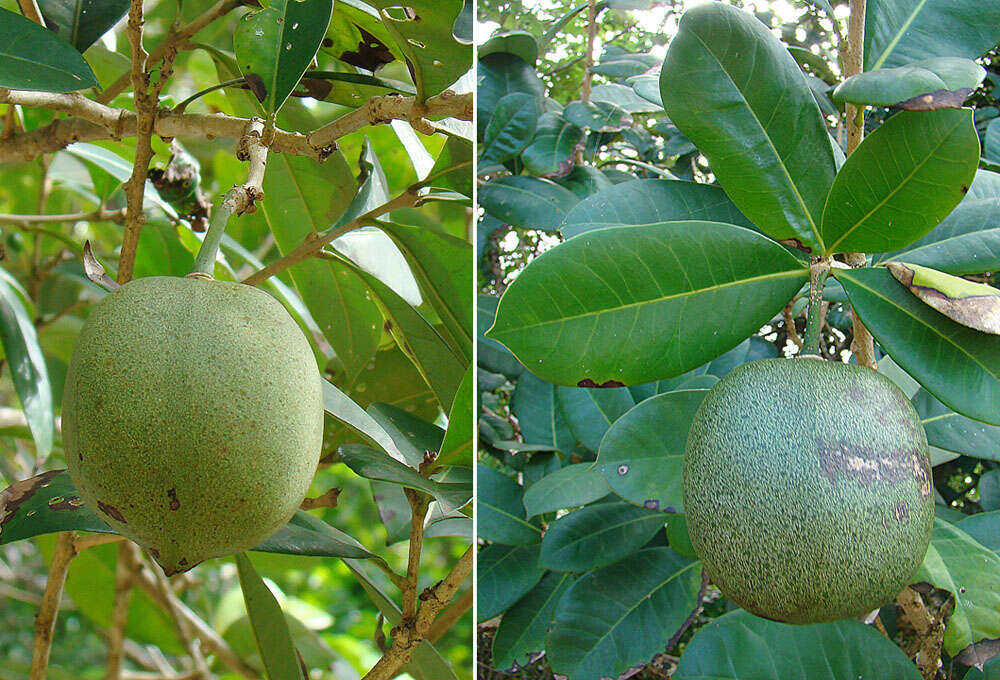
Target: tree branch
450,616
99,215
124,576
45,620
408,635
418,511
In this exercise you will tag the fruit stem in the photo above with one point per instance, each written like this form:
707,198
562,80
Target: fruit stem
204,262
819,269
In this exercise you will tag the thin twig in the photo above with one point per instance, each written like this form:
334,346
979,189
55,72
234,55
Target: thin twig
184,629
315,242
173,39
124,576
588,61
793,332
418,512
45,620
94,540
408,635
99,215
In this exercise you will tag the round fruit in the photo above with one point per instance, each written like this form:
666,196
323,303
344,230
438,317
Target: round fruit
807,489
192,416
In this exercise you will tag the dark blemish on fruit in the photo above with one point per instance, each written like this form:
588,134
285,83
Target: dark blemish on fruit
111,511
172,495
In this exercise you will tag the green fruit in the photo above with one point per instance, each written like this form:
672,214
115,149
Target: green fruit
192,416
807,489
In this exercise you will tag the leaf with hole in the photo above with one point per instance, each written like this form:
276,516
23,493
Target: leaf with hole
574,317
275,45
734,90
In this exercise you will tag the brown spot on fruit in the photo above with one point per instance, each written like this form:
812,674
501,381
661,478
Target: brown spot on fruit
111,511
843,461
174,503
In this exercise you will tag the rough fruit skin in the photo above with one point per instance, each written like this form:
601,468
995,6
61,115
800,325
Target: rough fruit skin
807,489
192,416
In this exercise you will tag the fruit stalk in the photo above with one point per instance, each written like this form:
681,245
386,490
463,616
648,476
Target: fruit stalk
819,269
241,199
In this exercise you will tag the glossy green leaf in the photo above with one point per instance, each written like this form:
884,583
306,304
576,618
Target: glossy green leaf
539,413
26,364
584,180
983,527
590,412
739,644
350,89
423,32
569,487
519,43
308,535
453,167
550,153
957,563
958,365
901,182
372,464
120,169
991,143
412,435
511,128
678,537
498,75
34,58
892,86
899,32
441,265
528,202
648,201
416,337
622,615
950,431
968,240
975,305
305,197
500,515
733,89
642,454
344,409
270,628
597,116
598,535
82,22
274,46
504,574
524,625
490,354
574,316
456,449
989,490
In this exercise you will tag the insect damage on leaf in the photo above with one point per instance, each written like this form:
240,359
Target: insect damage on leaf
938,99
17,493
975,305
589,382
256,85
370,53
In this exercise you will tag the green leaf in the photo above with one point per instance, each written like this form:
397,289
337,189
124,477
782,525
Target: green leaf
597,116
598,535
304,197
270,629
574,317
899,32
519,43
503,575
524,625
498,75
45,503
456,153
569,487
423,32
957,563
975,305
539,414
371,464
412,435
618,63
442,267
950,431
733,89
34,58
901,182
457,446
500,508
991,143
26,364
622,615
350,89
120,169
983,527
989,490
550,153
642,454
415,336
490,354
739,644
82,22
590,412
344,409
308,535
528,202
952,77
968,240
275,46
958,365
511,127
648,201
